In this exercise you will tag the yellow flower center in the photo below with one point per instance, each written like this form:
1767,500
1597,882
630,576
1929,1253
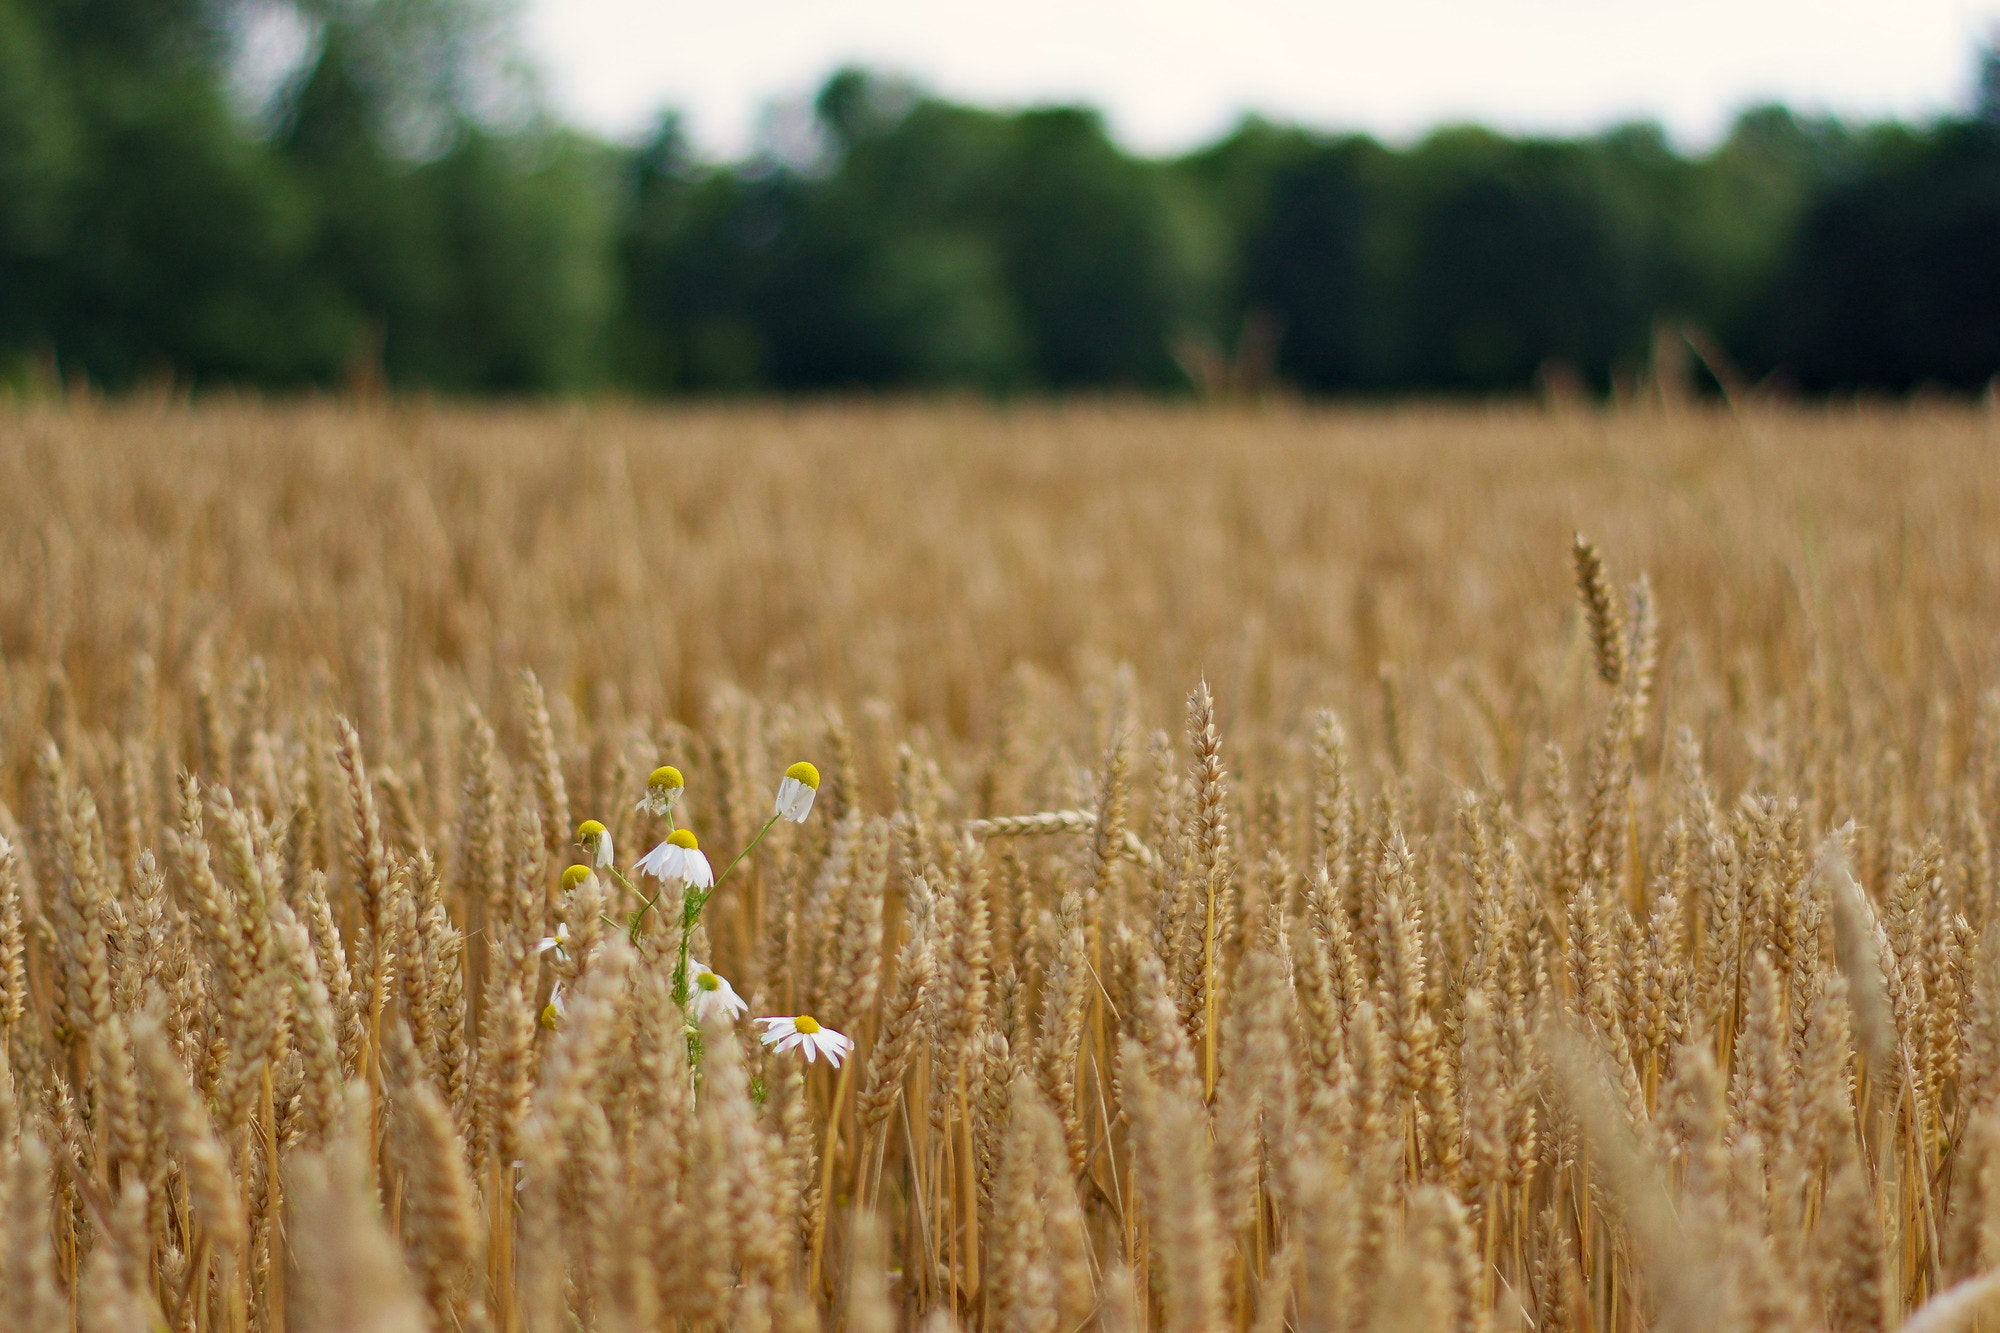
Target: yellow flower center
806,1023
805,773
588,832
682,838
574,876
666,775
708,981
549,1015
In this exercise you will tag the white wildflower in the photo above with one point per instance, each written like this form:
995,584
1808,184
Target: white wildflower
796,792
805,1033
678,860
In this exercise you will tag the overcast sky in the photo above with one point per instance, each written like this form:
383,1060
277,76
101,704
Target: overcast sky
1174,73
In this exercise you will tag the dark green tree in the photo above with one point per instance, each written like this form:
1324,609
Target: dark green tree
1308,264
1893,278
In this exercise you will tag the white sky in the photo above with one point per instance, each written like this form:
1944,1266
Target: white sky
1174,73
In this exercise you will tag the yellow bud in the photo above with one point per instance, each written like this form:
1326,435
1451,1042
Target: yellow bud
805,773
806,1023
683,838
588,830
574,876
666,775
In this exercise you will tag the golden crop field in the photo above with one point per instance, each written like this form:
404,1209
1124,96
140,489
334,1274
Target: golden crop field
1261,870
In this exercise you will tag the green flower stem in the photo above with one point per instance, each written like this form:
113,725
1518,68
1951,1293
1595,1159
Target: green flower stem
751,846
632,926
691,913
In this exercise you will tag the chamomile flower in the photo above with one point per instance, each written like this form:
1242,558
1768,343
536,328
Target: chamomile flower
678,860
573,878
805,1033
595,838
663,791
558,941
796,792
710,994
553,1011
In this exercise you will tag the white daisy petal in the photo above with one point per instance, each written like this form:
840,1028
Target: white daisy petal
795,800
673,863
654,862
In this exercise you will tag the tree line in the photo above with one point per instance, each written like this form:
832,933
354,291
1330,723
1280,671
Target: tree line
399,207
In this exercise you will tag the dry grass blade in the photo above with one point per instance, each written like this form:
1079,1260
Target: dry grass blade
1130,844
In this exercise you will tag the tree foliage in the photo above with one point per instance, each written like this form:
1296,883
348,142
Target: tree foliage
398,204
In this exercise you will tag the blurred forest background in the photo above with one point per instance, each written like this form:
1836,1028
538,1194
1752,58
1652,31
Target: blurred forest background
301,193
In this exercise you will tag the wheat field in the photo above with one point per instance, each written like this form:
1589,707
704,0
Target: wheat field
1271,871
